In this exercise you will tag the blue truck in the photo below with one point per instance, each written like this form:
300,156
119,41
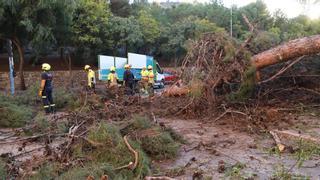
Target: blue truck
137,62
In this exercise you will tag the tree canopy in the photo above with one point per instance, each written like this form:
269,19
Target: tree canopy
114,27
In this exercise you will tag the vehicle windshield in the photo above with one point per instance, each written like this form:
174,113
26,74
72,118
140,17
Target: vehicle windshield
159,70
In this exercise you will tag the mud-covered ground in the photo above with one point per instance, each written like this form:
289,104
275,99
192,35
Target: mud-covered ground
211,146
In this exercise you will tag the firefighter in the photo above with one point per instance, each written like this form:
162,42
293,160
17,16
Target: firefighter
91,78
128,80
144,79
45,90
150,80
112,77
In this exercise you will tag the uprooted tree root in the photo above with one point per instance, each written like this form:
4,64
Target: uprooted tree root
215,67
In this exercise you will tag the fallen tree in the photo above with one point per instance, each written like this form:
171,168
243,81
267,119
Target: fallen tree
217,68
287,51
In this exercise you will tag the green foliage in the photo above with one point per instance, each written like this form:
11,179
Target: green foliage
89,27
64,99
247,86
281,173
306,151
29,97
235,171
265,40
123,32
12,113
35,22
92,169
3,171
46,171
41,123
149,27
114,151
161,146
120,7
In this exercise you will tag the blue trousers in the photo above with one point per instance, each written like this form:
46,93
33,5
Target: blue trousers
47,100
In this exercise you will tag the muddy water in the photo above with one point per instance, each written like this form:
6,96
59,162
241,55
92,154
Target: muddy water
208,144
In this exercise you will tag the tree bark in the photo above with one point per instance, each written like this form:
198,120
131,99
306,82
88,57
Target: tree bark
288,51
21,63
70,70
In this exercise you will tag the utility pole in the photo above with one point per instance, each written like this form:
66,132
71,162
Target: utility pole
231,20
11,65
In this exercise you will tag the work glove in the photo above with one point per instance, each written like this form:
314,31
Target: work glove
40,93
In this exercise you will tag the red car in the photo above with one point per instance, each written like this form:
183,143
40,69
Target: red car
169,77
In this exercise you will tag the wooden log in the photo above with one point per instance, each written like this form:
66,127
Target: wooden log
294,135
158,178
278,141
288,51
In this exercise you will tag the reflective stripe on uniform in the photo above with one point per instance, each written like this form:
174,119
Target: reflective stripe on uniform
44,96
52,105
46,106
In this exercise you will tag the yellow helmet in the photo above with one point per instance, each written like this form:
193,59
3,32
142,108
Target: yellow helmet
126,66
45,67
144,68
86,67
149,67
112,68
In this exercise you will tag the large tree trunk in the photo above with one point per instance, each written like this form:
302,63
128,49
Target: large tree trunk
288,51
21,63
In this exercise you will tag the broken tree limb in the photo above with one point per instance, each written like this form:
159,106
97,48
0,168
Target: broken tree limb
135,153
294,135
282,70
252,31
278,141
285,52
92,143
229,111
158,178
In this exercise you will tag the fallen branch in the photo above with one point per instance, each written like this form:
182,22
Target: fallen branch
282,70
185,107
251,28
277,140
25,139
290,134
158,178
131,165
229,111
27,152
93,143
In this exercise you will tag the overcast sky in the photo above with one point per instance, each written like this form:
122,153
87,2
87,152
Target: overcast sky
290,7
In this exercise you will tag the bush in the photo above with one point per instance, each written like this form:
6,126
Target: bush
13,114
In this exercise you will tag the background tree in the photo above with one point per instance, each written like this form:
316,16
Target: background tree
29,23
120,8
89,28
